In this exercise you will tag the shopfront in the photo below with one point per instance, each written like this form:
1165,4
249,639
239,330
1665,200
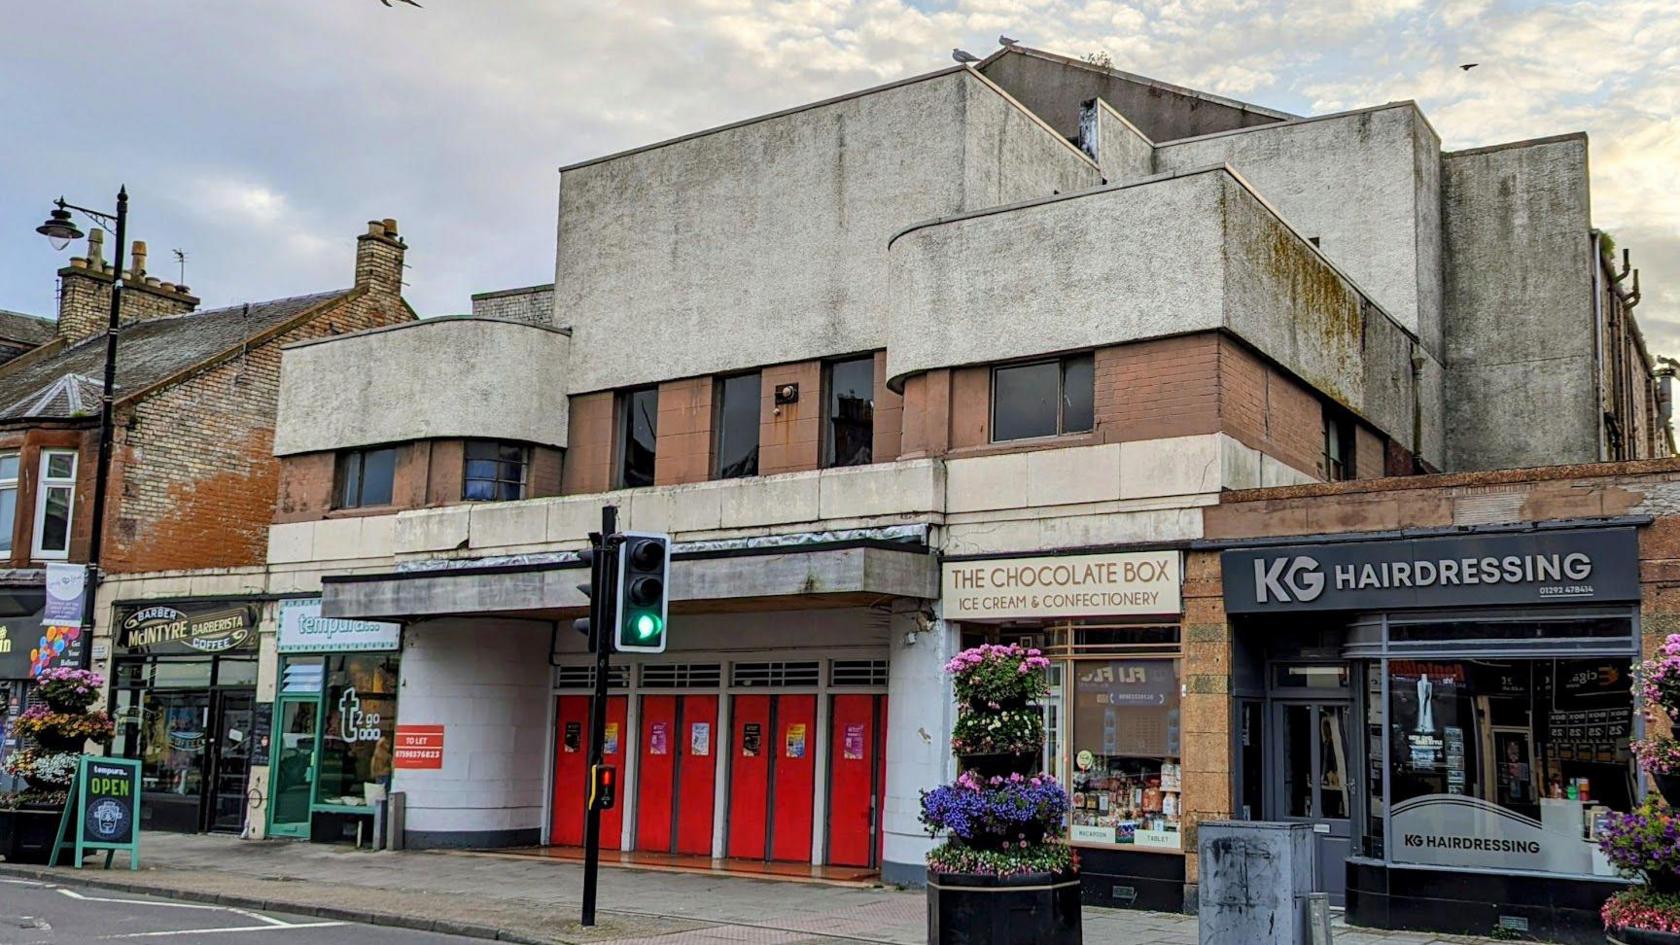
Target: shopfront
20,642
334,723
1110,624
1452,715
184,699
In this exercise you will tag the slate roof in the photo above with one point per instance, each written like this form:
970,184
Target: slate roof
148,352
16,326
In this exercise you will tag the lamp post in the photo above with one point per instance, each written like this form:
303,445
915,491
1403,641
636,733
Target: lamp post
60,229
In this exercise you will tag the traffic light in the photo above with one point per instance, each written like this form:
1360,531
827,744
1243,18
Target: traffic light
591,561
644,563
603,787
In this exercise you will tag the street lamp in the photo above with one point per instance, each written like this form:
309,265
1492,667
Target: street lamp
60,229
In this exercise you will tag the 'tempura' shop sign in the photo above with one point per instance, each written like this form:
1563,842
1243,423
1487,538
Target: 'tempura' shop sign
160,629
1102,585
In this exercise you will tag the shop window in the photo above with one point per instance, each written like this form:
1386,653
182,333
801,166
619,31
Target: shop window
1126,772
366,477
359,717
8,499
1338,445
1508,764
55,498
849,427
495,471
1045,398
737,436
638,418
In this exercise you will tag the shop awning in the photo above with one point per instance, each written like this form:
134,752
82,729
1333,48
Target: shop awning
834,575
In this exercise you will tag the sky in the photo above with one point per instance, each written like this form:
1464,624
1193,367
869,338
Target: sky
259,137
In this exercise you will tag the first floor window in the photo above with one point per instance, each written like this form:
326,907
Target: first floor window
1507,764
737,436
8,499
638,412
1045,398
495,471
366,477
1338,446
849,427
55,499
1127,773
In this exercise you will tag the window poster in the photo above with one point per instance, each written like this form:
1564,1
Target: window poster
852,745
659,738
700,739
610,746
796,740
752,736
574,737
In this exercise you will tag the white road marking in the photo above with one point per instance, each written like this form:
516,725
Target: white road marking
281,927
176,905
21,882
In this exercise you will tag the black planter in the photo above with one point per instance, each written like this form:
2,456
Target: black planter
1030,909
27,835
1641,937
1668,785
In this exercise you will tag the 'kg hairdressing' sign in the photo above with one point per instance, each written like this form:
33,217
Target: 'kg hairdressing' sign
1563,566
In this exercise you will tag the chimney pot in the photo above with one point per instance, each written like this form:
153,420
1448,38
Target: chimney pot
376,228
390,226
167,286
182,289
96,248
77,262
139,252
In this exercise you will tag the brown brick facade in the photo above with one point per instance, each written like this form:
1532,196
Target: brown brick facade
428,473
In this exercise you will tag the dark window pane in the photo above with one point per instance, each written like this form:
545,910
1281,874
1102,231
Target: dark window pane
1078,394
495,471
738,427
379,472
641,427
55,523
350,480
1024,401
481,469
478,490
851,412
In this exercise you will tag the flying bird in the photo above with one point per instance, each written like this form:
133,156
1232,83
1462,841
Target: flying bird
963,55
411,3
1007,41
1469,65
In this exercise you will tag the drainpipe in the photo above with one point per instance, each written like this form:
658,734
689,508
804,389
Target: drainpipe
1417,408
1598,339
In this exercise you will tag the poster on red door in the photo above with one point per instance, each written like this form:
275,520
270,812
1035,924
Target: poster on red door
796,740
418,747
659,739
611,746
851,747
751,735
700,739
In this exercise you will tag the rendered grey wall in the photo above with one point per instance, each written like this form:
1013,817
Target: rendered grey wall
1352,181
1172,255
1520,388
1054,88
1122,151
778,228
437,377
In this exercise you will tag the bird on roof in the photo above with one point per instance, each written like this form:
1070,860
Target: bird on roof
411,3
1469,65
963,55
1007,41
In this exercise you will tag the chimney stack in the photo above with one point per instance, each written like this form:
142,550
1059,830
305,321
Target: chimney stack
84,292
379,258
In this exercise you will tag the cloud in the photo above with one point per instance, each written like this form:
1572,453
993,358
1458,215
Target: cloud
259,137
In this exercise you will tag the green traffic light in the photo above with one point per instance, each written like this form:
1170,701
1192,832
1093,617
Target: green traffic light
647,626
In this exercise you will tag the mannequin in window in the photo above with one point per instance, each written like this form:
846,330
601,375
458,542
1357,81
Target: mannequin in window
1426,707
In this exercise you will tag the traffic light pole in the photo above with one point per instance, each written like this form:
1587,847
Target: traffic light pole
602,623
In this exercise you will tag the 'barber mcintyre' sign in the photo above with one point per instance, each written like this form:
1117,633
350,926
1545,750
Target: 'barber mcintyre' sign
1553,567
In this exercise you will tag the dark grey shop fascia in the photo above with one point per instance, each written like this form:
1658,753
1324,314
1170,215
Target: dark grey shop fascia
1495,568
833,574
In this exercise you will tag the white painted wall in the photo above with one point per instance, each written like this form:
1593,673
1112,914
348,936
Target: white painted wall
487,682
920,714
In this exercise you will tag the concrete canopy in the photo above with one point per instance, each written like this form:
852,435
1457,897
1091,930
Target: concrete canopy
837,575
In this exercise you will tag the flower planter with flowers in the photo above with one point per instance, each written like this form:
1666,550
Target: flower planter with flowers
1003,874
1645,843
55,730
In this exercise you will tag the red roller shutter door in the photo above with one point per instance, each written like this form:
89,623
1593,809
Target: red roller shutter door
772,777
676,767
856,772
571,769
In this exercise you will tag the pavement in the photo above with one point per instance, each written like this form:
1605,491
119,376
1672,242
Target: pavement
41,913
535,900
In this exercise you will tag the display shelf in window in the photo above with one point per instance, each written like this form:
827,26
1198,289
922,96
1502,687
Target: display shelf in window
1121,800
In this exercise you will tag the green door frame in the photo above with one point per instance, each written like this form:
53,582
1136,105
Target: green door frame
296,830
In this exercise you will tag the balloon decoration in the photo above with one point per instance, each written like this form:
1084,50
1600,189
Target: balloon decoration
50,649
